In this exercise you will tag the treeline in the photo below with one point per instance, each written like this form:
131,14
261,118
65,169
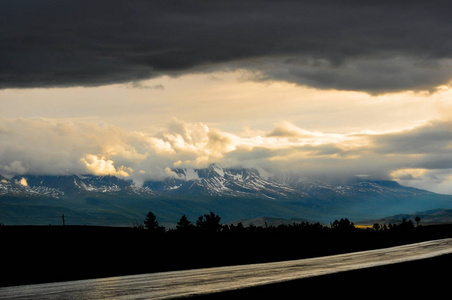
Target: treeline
208,242
286,241
211,223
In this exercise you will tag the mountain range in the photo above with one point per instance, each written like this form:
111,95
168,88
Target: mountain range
232,193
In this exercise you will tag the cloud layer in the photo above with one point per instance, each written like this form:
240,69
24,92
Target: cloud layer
372,46
40,146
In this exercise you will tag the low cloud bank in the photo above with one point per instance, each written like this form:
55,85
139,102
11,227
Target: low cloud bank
419,155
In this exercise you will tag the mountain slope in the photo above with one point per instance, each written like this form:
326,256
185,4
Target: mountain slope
434,216
232,193
216,181
59,186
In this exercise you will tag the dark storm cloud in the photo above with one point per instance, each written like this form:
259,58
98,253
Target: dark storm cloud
374,46
433,138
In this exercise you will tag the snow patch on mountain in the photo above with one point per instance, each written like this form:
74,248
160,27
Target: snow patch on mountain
69,185
217,181
212,181
99,189
191,174
218,169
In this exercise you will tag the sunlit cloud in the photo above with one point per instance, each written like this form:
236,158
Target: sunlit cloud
68,147
408,174
102,166
23,182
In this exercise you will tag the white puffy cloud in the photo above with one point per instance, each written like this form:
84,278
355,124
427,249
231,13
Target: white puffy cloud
101,166
48,146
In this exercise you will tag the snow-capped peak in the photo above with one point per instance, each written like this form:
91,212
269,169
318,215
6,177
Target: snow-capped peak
219,170
217,181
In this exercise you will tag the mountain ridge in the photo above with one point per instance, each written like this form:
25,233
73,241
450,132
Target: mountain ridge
216,181
429,217
233,193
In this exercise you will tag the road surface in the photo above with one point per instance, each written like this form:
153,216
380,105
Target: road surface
169,285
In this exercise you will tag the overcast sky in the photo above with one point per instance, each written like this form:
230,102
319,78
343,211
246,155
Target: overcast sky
135,88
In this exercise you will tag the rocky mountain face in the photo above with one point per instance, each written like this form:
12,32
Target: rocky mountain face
213,181
61,186
254,183
216,181
235,193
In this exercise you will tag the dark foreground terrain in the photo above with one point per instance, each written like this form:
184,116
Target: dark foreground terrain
37,254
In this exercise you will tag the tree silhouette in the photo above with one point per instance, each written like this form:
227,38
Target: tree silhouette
184,224
209,223
151,223
417,219
406,225
376,226
343,224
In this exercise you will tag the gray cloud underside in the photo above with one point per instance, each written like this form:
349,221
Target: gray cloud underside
370,46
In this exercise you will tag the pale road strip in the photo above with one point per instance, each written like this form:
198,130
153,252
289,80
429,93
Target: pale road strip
169,285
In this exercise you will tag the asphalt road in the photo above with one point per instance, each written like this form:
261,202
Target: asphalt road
169,285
